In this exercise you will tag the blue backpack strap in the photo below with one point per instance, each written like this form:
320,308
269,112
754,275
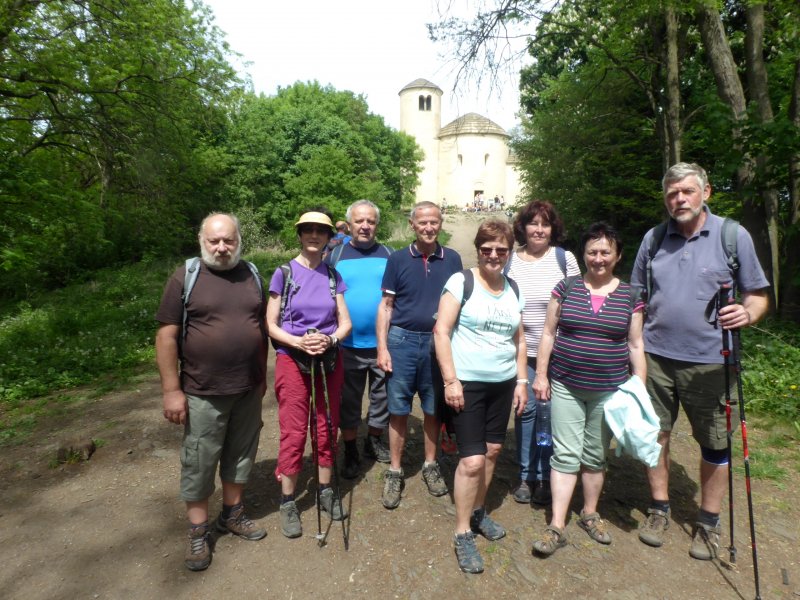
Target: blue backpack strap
561,259
332,281
192,266
513,285
288,284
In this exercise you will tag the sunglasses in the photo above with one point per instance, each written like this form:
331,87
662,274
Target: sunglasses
501,252
314,229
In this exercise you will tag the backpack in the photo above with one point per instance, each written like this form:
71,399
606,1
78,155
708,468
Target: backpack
561,259
635,291
335,256
728,238
190,279
469,285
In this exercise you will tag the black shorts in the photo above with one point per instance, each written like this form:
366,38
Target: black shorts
487,407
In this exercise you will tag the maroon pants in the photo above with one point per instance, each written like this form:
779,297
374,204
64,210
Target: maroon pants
293,391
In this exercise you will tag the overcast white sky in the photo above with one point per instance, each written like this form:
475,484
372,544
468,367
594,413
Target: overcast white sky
370,47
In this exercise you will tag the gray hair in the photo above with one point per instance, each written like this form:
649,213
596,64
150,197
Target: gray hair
424,204
682,170
232,217
364,202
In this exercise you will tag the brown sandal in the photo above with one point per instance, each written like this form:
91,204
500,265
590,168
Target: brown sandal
595,527
553,538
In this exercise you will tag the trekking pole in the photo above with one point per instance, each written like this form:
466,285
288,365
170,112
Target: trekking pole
337,491
312,425
737,365
723,299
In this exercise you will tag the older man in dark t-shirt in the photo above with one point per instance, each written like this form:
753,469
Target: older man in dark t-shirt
217,392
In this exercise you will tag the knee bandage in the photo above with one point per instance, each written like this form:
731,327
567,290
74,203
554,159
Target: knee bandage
715,457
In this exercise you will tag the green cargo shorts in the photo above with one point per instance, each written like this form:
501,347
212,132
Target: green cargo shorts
220,430
700,390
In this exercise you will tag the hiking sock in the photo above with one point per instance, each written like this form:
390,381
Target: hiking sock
193,527
324,486
227,510
428,464
662,505
287,498
708,518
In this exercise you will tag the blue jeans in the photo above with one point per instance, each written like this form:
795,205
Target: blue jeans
534,461
412,371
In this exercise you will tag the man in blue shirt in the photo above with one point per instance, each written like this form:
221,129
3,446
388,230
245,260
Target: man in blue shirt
684,364
361,263
412,284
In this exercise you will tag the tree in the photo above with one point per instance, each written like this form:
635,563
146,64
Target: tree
311,145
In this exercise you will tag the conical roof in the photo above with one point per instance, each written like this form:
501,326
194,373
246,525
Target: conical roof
472,123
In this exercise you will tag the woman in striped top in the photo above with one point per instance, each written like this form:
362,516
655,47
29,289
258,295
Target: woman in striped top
537,266
592,343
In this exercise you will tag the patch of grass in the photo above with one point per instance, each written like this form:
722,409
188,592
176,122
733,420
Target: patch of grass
763,465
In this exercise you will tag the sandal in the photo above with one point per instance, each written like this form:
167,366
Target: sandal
552,539
595,527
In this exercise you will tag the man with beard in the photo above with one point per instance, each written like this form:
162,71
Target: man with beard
218,337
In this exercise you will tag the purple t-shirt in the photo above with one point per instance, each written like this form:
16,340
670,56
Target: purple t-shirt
309,303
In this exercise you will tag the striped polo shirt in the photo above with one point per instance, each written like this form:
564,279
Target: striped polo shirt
591,350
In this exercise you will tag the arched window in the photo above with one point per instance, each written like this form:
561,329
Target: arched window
460,160
485,159
422,102
428,103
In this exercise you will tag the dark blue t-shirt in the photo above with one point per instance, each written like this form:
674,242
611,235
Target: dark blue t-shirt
416,281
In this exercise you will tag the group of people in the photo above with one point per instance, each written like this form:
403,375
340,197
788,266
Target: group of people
522,328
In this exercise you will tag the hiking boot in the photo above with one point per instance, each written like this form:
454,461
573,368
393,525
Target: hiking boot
375,449
469,559
352,464
482,523
541,495
432,476
652,530
237,523
392,488
198,555
522,493
290,520
332,504
705,542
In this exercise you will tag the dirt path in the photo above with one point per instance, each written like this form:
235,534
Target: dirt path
113,527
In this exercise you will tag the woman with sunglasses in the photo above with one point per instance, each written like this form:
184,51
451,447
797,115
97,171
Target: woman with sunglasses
592,343
537,266
480,347
307,325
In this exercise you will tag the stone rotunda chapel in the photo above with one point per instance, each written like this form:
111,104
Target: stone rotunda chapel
466,157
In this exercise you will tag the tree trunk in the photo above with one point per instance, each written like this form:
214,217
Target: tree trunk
673,91
790,293
730,90
759,93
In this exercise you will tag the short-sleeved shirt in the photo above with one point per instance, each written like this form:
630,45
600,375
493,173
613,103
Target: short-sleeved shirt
536,280
483,340
686,274
224,351
591,349
362,270
416,281
309,304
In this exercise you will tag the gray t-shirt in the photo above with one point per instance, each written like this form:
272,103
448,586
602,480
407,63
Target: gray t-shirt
686,274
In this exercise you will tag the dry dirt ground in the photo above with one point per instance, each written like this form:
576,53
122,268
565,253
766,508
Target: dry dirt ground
113,527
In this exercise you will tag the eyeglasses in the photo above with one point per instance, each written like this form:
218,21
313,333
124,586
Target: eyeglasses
314,229
501,252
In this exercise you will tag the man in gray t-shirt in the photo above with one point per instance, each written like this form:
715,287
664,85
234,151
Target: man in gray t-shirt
684,362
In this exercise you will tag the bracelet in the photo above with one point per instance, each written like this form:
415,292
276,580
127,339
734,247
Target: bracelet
451,382
334,340
525,381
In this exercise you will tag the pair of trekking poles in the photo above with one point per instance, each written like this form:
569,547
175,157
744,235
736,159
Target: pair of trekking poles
731,349
316,363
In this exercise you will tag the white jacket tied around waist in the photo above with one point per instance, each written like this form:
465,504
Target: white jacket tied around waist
633,421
